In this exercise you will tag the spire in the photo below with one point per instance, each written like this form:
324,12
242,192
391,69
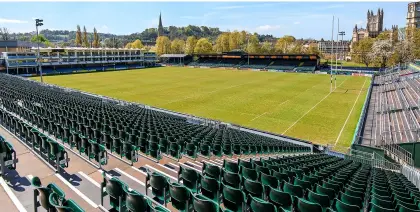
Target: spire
160,27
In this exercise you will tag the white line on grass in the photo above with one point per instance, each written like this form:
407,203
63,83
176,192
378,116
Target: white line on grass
12,196
312,108
268,111
344,125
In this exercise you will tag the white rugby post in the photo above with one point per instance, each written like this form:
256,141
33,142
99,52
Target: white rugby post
332,52
336,55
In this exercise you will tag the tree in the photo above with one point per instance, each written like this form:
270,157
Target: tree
381,51
177,46
284,44
137,44
383,36
234,40
128,46
190,45
267,48
95,38
203,46
4,33
254,45
222,43
163,45
243,36
39,38
78,40
313,49
403,52
361,51
85,38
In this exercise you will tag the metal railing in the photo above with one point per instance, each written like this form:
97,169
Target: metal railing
402,155
377,163
412,174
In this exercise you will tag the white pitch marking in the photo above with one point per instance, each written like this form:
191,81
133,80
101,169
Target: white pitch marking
12,196
90,179
173,178
312,108
77,191
129,176
344,125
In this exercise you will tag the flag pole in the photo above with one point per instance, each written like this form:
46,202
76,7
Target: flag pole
332,52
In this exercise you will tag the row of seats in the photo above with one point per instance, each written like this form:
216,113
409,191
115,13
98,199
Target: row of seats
8,157
52,198
50,150
88,123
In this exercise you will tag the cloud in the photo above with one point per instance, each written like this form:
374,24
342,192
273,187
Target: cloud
229,7
296,22
12,21
360,23
267,28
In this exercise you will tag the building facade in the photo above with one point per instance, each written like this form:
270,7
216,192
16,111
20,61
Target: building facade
17,46
413,15
374,26
67,60
341,47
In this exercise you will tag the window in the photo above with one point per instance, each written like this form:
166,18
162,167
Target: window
418,9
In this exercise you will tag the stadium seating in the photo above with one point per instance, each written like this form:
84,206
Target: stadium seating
94,127
318,182
52,198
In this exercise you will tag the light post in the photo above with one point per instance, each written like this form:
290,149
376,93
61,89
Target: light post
38,22
248,49
342,33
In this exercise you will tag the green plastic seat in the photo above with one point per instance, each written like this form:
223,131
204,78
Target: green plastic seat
233,199
230,166
190,178
249,173
304,184
246,164
280,199
115,189
205,150
253,188
382,203
261,169
204,204
210,187
159,185
344,207
375,208
63,205
135,201
306,206
191,150
321,199
325,191
293,189
354,193
256,204
402,208
175,150
348,199
281,176
180,196
231,179
269,180
211,171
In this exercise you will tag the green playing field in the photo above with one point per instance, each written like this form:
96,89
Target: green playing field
297,105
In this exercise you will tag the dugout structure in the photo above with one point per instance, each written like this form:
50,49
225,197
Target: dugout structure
175,59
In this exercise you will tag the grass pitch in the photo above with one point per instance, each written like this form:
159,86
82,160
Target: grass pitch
297,105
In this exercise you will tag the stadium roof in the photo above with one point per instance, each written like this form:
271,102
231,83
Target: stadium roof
17,43
174,55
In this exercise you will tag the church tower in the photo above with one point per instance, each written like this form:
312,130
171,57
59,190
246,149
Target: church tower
160,28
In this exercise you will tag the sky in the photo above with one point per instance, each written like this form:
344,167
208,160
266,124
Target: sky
299,19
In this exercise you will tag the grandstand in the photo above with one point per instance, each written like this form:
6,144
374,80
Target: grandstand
93,153
241,60
68,60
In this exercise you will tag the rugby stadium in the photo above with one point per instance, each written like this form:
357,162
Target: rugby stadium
131,130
